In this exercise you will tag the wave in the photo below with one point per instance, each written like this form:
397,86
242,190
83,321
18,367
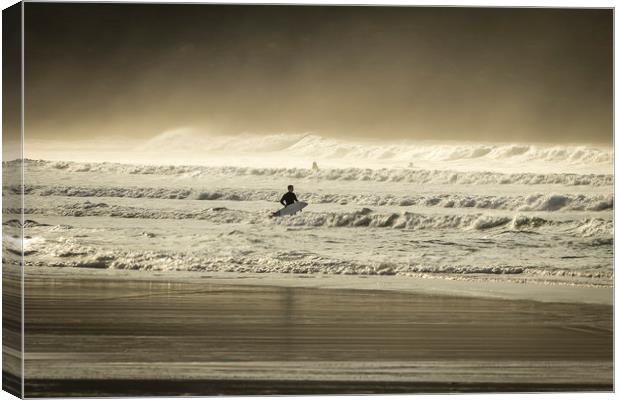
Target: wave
70,253
533,202
402,175
364,218
320,147
104,191
187,145
313,146
414,221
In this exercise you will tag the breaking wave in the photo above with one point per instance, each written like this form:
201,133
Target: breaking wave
189,145
317,146
533,202
403,175
70,253
309,145
361,218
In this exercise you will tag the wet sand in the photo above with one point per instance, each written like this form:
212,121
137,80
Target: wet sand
11,328
88,336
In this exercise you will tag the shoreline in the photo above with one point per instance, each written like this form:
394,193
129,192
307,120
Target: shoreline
427,285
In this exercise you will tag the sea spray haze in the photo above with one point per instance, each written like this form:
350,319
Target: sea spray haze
185,146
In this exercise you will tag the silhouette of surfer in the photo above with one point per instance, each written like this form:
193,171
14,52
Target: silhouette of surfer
289,197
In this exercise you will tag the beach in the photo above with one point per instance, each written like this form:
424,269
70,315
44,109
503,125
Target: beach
88,333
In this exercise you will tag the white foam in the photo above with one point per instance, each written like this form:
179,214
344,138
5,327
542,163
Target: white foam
68,252
402,175
362,218
532,202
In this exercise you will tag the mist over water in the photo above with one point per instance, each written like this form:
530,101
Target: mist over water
189,146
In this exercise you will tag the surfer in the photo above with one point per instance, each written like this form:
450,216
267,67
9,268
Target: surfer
291,204
289,197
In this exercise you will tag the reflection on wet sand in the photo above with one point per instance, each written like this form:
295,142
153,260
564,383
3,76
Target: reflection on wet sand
88,336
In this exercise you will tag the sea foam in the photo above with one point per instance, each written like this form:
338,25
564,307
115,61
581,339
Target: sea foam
400,175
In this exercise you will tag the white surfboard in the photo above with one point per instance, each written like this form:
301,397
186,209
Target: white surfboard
290,209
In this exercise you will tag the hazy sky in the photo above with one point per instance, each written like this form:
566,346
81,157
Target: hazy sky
96,70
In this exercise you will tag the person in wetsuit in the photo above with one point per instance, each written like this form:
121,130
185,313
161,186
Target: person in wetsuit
289,197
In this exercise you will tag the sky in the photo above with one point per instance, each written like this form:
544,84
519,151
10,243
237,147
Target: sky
11,82
110,71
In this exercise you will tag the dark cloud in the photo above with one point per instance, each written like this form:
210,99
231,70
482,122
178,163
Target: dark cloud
427,73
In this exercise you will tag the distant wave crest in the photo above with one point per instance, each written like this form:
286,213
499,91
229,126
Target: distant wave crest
317,146
309,145
403,175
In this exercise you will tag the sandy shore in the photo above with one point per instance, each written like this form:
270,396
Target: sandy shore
85,332
11,329
507,287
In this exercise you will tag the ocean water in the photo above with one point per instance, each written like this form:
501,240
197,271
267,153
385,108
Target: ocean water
533,214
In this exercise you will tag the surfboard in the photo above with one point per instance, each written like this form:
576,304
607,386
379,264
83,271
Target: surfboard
290,209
